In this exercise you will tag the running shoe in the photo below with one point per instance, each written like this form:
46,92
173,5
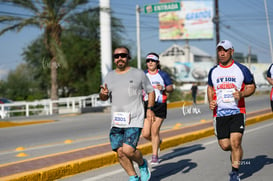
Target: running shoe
134,178
154,160
234,176
145,171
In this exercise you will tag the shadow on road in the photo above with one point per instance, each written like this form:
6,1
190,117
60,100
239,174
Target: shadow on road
251,165
185,165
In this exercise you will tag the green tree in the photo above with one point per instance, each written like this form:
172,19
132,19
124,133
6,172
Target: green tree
37,59
81,45
20,85
3,88
49,15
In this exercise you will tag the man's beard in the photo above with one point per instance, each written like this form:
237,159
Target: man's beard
121,66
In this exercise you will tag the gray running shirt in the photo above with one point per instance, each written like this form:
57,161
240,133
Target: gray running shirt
126,92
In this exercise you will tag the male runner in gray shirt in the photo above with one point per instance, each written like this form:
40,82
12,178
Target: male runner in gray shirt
124,86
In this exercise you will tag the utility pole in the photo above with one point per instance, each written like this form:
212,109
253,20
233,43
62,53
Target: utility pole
249,57
216,20
105,38
268,30
138,37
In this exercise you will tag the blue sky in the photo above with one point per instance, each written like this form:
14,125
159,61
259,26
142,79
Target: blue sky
241,21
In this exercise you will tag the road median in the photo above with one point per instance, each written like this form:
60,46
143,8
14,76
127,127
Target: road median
87,163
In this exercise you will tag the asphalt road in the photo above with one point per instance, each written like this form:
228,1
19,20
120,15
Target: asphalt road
203,160
72,132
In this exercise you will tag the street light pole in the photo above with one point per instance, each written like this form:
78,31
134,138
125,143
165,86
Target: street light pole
216,21
138,37
105,38
268,30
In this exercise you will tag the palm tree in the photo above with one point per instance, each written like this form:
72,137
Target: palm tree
49,15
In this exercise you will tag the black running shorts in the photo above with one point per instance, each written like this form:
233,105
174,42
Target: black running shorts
160,109
225,125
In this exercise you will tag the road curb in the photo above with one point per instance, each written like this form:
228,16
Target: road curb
6,124
257,119
109,158
178,104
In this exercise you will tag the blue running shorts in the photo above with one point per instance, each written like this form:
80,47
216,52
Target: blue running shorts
119,136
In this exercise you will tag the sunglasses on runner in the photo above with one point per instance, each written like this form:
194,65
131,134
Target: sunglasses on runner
150,60
122,55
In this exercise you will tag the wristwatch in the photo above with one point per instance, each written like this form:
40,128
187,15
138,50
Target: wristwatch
150,108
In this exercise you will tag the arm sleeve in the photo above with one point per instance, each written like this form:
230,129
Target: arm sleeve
209,78
167,79
248,76
269,71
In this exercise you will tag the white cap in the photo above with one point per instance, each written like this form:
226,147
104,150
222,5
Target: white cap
153,57
225,44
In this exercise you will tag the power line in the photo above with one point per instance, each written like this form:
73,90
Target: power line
246,43
80,7
126,12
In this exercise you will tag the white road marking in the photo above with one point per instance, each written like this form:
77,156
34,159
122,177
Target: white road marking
105,175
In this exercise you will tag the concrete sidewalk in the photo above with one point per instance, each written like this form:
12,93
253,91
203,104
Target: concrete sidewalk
55,166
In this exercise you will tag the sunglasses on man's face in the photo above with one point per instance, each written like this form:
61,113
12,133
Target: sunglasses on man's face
122,55
150,60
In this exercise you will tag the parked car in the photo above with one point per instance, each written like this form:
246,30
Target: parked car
5,100
4,113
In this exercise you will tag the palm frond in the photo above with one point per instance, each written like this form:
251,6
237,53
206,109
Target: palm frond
28,22
18,26
9,19
18,23
69,6
25,4
9,28
60,56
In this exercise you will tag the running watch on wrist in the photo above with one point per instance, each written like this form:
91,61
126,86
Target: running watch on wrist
150,107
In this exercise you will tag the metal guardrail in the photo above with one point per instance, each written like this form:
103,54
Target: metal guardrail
49,107
68,105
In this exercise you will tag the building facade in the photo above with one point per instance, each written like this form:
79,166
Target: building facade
188,63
